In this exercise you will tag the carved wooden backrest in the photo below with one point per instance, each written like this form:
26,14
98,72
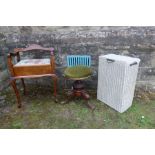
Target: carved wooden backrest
34,47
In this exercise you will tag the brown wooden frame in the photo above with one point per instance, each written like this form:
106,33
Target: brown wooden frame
21,72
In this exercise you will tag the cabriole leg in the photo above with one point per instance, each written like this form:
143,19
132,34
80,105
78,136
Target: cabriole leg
13,83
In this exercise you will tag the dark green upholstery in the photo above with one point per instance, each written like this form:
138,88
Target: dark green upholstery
78,72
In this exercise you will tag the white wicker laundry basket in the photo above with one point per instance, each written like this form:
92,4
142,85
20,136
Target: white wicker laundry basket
116,80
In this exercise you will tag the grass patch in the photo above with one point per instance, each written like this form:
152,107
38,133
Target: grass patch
40,111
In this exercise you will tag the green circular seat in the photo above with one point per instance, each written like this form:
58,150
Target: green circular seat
77,72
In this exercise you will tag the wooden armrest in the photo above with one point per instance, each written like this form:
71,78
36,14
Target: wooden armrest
12,54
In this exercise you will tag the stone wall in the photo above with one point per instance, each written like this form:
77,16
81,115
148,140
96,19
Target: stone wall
132,41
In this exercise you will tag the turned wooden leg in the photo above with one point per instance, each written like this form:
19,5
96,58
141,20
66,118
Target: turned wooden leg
23,83
85,95
13,83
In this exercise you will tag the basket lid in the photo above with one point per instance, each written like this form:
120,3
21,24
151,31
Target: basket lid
126,59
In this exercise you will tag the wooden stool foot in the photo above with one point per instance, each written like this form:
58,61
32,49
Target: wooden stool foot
90,105
85,95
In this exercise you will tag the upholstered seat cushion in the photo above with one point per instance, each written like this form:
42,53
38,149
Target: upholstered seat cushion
31,62
78,72
33,67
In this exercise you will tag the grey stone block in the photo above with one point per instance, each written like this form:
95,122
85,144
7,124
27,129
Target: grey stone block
147,74
92,40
